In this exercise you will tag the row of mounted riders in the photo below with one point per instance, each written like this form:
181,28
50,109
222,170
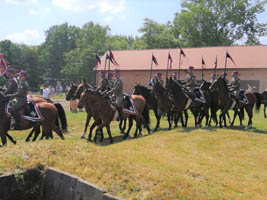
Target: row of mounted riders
173,99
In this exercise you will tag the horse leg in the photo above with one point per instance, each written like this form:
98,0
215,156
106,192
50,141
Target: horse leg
240,118
11,138
29,136
186,118
138,126
229,118
250,115
158,122
264,110
88,118
129,128
235,114
91,130
37,132
109,133
58,131
3,137
169,120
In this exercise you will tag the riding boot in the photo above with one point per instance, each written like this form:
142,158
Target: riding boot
17,119
120,113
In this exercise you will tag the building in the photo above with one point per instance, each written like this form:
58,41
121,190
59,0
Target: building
135,65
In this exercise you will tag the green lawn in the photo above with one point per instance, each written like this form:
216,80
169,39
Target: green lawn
190,163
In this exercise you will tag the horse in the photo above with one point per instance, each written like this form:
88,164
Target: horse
150,98
262,99
47,110
182,102
103,112
214,103
62,117
164,103
227,102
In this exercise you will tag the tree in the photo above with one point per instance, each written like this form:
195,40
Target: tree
157,35
219,22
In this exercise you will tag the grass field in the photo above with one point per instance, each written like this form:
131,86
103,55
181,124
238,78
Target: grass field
204,163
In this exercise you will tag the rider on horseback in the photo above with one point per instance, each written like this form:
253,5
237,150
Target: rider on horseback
174,76
190,80
213,77
104,82
117,90
21,96
12,84
235,84
159,78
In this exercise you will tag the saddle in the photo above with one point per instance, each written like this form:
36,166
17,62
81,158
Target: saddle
30,112
128,105
199,95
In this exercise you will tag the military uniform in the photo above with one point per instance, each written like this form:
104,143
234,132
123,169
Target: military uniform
117,90
103,85
235,85
160,80
12,86
21,97
190,82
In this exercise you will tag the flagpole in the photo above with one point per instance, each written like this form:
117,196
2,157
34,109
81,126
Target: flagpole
109,65
167,66
202,68
216,63
225,63
151,68
179,66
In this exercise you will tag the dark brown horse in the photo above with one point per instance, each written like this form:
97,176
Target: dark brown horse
164,103
47,110
103,112
262,99
227,102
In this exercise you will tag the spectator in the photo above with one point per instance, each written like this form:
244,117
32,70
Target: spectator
46,92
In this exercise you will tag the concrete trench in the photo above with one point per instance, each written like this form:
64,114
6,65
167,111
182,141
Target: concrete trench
49,184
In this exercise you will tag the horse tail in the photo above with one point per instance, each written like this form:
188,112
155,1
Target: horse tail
242,112
258,101
62,116
145,115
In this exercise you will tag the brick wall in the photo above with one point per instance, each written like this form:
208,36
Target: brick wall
131,77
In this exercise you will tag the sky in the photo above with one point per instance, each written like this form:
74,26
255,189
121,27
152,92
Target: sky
25,21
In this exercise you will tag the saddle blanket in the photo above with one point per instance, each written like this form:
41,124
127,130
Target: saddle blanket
199,95
129,107
31,112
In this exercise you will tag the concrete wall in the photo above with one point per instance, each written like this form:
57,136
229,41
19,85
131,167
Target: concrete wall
131,77
49,185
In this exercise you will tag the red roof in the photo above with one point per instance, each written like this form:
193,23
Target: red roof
244,57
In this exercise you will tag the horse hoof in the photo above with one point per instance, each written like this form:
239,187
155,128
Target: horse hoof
27,140
15,142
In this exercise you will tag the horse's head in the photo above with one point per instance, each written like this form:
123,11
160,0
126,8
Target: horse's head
137,89
218,84
158,89
71,92
85,96
80,88
169,84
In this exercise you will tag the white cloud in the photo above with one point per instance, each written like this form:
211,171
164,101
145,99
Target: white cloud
108,19
104,6
33,12
21,2
27,36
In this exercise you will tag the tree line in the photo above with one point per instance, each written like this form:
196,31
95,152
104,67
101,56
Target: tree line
68,52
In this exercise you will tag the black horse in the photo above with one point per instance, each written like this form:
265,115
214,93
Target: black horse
227,101
150,98
262,99
182,102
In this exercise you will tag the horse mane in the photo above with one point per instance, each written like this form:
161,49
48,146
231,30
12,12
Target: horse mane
224,83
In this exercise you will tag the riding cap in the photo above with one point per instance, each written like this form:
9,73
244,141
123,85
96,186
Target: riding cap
213,75
116,71
10,71
22,73
190,68
174,73
159,74
234,73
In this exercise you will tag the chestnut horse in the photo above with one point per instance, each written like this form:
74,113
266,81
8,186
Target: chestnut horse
47,110
62,117
103,113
